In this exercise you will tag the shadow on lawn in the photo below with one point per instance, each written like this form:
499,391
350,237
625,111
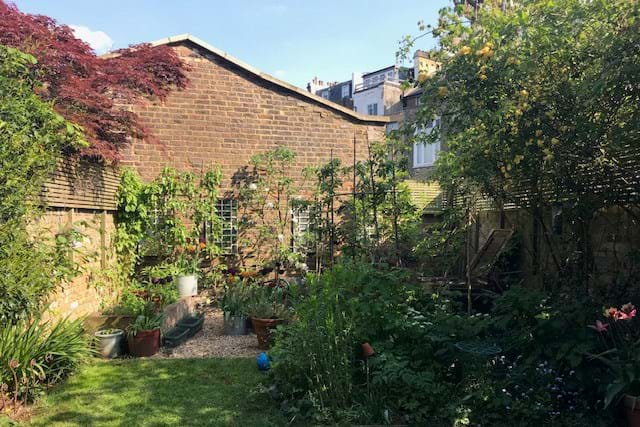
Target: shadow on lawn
195,392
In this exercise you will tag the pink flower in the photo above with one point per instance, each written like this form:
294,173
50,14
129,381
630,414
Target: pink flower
599,326
627,307
629,311
626,316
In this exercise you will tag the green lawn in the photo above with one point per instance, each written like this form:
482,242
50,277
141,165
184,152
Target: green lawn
196,392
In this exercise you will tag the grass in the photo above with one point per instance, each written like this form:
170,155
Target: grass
190,392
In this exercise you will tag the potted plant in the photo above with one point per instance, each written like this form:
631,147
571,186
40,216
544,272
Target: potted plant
109,342
144,335
265,314
233,304
188,261
619,335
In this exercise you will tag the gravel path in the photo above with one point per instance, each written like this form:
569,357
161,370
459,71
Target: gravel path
210,342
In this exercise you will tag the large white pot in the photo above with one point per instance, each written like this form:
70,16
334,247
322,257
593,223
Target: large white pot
110,342
188,285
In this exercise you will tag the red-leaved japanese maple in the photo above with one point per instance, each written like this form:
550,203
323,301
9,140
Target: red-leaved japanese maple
89,90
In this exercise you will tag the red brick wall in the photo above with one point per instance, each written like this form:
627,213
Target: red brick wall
227,114
94,254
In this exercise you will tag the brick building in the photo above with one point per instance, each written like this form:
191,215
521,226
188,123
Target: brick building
230,110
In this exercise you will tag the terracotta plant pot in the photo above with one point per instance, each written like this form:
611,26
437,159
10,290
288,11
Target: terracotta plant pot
262,328
144,343
631,406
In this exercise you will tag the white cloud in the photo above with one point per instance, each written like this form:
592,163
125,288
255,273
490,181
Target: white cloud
98,40
280,73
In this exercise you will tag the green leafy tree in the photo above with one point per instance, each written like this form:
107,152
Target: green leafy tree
33,137
539,105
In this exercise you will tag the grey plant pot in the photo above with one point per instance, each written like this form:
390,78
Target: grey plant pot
235,325
110,345
188,285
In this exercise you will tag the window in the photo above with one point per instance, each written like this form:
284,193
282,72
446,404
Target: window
228,213
372,109
301,229
325,94
425,154
345,91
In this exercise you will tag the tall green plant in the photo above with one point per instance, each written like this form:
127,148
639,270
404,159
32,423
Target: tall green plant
33,138
168,213
316,366
35,354
267,197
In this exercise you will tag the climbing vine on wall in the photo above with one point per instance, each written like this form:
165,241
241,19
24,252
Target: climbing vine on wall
156,217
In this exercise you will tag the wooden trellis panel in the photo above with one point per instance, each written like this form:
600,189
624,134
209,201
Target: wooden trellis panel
82,184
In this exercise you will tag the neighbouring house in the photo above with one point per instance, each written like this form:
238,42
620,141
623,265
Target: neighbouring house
228,112
379,92
340,93
426,193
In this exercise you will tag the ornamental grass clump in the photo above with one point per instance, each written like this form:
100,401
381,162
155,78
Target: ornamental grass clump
36,354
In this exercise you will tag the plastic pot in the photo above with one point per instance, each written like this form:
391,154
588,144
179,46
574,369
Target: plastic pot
188,285
144,343
110,343
234,324
262,328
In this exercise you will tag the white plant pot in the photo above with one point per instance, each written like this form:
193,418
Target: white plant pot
110,344
188,285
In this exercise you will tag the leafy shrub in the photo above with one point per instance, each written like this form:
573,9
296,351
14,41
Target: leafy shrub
526,359
264,302
35,354
419,372
32,139
30,270
317,372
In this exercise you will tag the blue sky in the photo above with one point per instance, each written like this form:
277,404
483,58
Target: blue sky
293,40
